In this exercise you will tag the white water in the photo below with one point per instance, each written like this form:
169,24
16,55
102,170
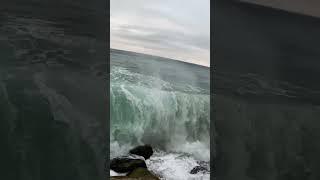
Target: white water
172,166
175,166
170,117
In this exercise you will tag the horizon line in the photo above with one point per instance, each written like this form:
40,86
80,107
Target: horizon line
161,57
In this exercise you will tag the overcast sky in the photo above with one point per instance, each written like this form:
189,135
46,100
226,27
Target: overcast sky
177,29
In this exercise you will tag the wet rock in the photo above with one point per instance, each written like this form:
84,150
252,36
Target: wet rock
138,173
198,169
134,164
142,173
145,151
124,165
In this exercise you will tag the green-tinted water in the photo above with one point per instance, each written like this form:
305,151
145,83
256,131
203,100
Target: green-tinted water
162,102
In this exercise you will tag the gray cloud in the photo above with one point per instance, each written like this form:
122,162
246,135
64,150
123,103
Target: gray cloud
177,29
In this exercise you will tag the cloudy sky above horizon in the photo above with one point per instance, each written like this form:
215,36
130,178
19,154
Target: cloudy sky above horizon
177,29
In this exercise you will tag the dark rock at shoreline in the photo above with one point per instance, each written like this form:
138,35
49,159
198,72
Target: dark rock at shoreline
198,169
136,168
138,173
142,173
124,165
145,151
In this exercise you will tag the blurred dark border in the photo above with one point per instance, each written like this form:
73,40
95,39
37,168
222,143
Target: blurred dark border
82,18
278,45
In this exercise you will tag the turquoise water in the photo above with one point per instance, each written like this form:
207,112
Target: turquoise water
161,102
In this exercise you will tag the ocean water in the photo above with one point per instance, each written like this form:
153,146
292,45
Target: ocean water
164,103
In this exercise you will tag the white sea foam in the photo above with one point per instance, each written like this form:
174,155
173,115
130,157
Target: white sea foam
198,149
175,166
172,166
113,173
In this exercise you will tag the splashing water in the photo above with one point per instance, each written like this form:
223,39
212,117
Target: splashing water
170,115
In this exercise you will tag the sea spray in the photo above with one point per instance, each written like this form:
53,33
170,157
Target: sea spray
164,103
145,109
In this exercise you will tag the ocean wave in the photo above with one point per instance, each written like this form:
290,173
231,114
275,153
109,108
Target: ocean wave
173,118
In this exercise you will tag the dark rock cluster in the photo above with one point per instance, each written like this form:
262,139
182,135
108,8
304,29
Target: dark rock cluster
198,169
145,151
125,165
134,164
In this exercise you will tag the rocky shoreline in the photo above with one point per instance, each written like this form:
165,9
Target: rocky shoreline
134,164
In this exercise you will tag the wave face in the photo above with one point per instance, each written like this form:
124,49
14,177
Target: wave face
158,108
